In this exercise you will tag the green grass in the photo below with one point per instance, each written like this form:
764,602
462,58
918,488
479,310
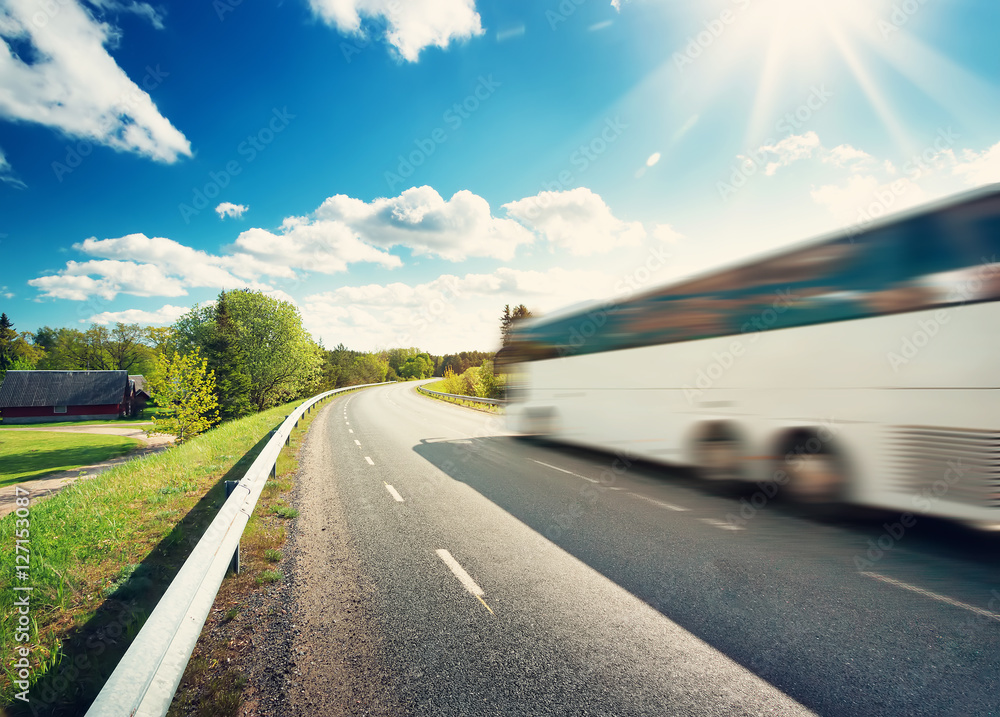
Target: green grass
32,454
103,550
270,576
285,511
471,403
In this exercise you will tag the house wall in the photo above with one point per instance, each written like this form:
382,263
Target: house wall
44,414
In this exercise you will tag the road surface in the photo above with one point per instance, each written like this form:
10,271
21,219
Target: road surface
497,576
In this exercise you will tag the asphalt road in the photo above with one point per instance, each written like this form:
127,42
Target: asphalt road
517,578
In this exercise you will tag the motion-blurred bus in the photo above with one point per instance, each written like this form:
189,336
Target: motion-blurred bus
860,368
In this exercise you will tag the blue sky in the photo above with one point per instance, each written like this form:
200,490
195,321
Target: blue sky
400,169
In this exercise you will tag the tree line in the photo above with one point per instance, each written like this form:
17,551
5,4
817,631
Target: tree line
244,352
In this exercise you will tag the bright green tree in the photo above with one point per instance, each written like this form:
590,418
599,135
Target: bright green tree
184,390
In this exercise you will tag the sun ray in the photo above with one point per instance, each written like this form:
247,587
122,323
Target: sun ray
872,92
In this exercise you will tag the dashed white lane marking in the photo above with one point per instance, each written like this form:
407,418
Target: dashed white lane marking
393,492
934,596
357,442
370,461
662,504
463,577
721,524
350,430
563,470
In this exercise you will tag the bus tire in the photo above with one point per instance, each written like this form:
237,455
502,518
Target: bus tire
815,472
717,453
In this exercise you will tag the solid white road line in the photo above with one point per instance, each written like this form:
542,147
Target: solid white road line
934,596
357,442
463,577
721,524
370,461
563,470
654,501
393,492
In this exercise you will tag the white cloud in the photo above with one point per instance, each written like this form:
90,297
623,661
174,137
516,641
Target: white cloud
228,209
7,175
979,168
135,8
844,154
864,197
449,313
788,150
323,246
72,84
667,234
142,266
577,220
423,221
164,316
410,25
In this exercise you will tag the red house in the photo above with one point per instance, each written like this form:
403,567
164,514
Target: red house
39,396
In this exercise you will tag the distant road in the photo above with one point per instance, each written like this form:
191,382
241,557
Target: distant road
503,577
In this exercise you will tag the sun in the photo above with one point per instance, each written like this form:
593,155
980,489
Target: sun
790,44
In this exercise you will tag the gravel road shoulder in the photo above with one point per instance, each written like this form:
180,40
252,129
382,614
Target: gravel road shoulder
307,645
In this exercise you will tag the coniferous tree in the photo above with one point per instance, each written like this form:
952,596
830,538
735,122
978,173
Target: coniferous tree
232,382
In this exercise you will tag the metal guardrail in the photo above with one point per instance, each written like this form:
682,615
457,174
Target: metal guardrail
146,678
473,399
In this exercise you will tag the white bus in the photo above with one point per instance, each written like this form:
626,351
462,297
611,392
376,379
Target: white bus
862,368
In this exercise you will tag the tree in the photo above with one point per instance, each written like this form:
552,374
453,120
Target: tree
507,319
18,352
232,382
7,338
269,342
184,390
368,368
419,366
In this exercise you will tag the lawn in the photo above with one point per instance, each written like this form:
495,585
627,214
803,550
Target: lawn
30,454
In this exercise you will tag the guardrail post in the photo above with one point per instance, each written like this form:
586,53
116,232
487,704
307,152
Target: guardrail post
235,564
274,470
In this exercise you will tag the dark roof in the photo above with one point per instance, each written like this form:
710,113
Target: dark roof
62,388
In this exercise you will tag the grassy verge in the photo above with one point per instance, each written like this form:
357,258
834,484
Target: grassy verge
211,687
485,407
102,552
32,454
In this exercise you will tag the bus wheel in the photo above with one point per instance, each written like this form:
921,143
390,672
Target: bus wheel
815,476
717,455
